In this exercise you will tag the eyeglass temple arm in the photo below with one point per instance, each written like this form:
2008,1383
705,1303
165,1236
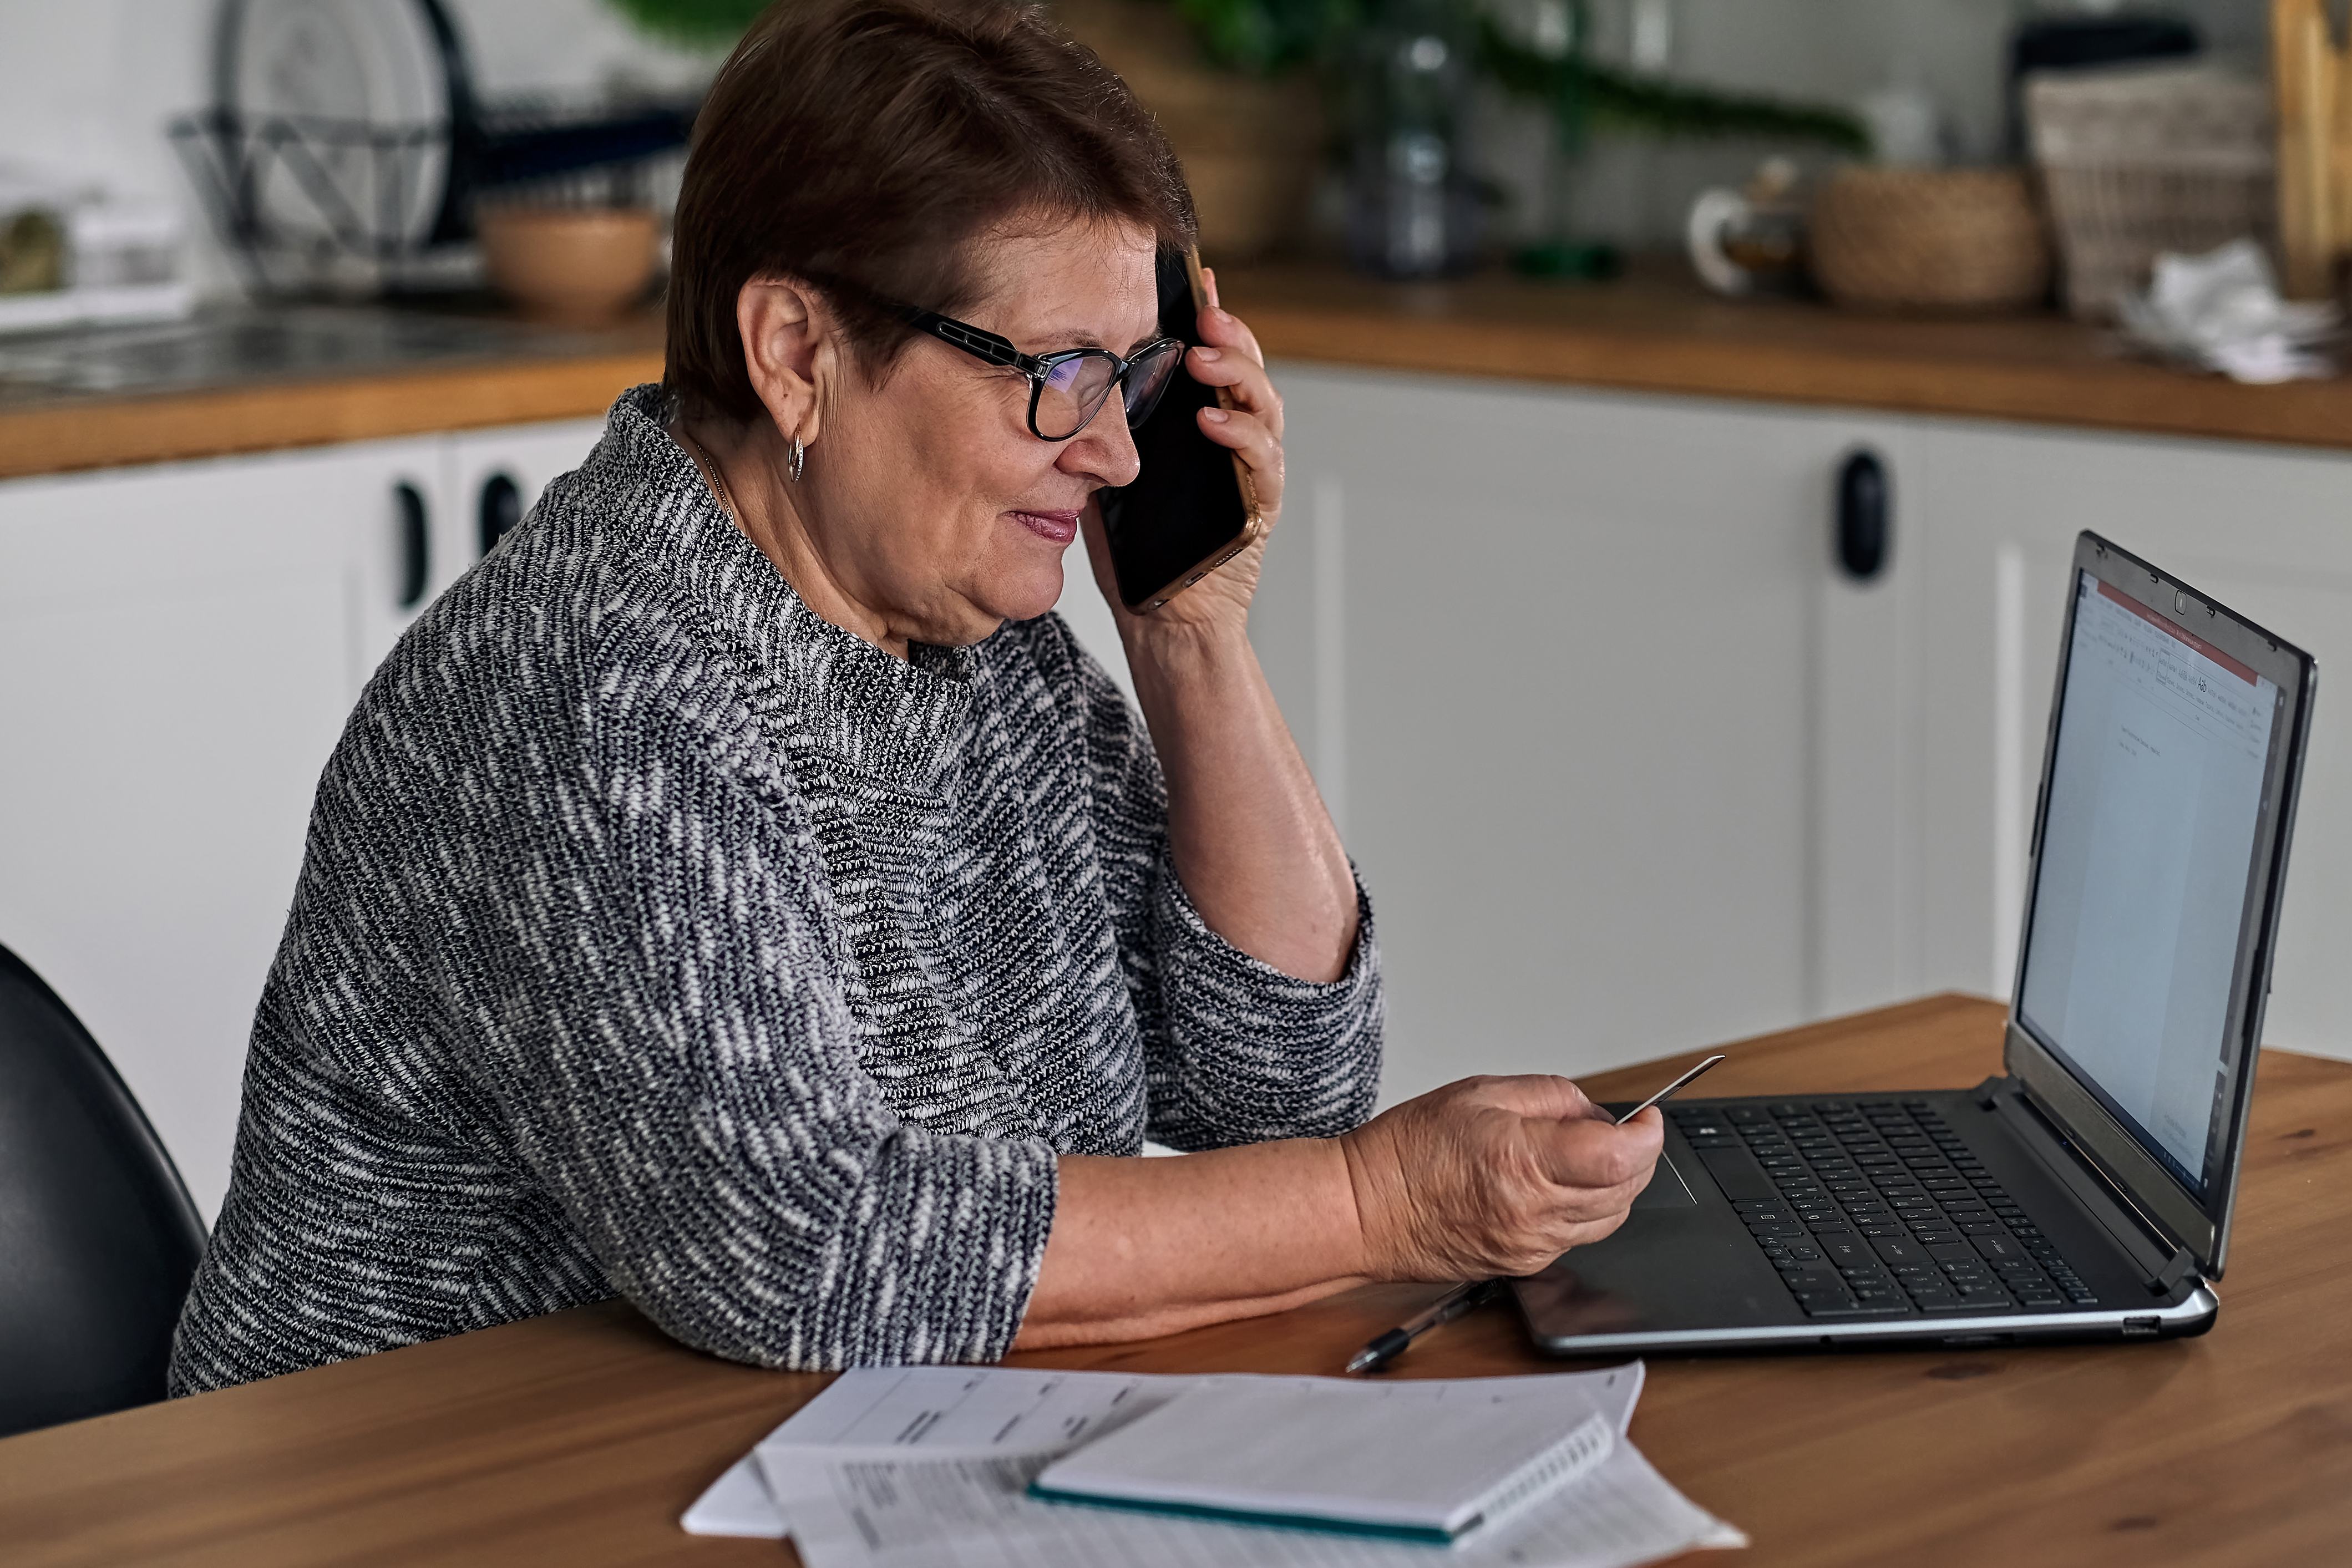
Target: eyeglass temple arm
987,346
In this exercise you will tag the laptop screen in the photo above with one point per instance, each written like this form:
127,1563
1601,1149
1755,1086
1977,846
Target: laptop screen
2144,879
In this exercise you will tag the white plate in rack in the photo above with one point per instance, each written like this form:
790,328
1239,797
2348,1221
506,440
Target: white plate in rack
376,67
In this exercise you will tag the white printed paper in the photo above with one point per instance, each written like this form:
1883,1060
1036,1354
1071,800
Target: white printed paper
964,1410
737,1503
895,1468
981,1410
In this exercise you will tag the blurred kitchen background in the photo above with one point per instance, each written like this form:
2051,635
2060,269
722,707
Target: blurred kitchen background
86,89
1692,405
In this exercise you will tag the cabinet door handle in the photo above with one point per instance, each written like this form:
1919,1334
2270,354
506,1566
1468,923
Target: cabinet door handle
1865,516
413,539
501,509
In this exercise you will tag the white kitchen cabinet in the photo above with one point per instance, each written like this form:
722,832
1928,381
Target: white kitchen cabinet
1552,652
525,456
1950,662
476,475
1631,767
179,648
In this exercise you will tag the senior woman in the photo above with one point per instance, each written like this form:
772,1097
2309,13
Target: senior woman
742,894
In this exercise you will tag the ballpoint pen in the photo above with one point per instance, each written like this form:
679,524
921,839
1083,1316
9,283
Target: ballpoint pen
1475,1292
1444,1310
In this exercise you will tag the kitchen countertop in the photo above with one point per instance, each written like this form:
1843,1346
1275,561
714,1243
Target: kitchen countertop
1659,331
244,381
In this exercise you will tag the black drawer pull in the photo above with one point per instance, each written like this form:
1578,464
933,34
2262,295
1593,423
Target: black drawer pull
414,538
1865,516
501,509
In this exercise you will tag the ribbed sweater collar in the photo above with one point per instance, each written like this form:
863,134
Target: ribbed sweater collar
897,721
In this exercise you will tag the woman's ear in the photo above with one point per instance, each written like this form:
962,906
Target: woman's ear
792,351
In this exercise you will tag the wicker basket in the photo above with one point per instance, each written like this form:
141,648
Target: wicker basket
2135,162
1929,239
1250,147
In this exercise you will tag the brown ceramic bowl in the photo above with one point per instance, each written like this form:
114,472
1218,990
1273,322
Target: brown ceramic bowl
575,264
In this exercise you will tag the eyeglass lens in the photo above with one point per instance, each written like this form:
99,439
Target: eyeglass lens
1074,389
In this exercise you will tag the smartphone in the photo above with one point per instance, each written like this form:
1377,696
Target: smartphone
1191,508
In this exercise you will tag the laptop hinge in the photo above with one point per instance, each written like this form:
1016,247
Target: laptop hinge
2183,1265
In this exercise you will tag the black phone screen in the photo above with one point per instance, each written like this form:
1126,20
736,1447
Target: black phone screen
1185,512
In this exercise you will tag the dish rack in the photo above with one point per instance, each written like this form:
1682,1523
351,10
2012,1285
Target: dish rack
2137,162
346,146
308,203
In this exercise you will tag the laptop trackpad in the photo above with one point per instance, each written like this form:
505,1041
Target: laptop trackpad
1666,1189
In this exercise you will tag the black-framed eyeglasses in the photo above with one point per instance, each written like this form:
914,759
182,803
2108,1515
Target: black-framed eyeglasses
1066,388
1069,387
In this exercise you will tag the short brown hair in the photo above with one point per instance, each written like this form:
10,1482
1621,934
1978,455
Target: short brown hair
870,142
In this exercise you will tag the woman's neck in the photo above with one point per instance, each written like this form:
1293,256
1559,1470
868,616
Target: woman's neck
746,468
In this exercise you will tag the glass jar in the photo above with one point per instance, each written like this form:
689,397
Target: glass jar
1412,204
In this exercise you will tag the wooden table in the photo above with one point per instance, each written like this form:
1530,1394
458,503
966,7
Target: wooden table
579,1438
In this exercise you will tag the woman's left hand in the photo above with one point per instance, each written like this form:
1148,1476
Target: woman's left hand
1252,429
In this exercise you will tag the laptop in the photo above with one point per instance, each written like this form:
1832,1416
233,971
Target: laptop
2086,1192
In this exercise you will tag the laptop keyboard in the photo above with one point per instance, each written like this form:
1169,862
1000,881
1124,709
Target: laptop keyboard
1876,1209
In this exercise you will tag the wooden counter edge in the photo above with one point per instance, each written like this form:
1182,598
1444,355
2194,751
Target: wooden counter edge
2117,396
2123,396
279,415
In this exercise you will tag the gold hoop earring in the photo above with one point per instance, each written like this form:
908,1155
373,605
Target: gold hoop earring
800,459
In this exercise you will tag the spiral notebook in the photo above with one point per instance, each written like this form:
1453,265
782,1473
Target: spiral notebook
1326,1459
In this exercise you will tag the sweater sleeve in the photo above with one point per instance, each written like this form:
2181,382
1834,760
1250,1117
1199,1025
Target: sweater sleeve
1235,1052
659,1020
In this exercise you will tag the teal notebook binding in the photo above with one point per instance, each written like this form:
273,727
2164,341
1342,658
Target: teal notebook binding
1429,1534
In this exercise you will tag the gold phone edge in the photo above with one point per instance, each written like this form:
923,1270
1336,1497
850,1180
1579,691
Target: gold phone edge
1254,528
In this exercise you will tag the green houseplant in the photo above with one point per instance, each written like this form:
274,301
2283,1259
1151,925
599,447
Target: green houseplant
1270,49
1583,96
1249,138
1268,36
696,23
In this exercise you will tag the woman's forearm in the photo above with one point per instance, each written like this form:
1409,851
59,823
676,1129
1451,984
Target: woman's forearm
1253,846
1148,1247
1483,1178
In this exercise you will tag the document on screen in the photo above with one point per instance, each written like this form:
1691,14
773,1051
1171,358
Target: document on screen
2131,947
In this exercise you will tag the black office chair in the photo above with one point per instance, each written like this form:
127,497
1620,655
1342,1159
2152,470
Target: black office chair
98,1238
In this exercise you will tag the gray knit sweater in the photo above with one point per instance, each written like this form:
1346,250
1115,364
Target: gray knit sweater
655,936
